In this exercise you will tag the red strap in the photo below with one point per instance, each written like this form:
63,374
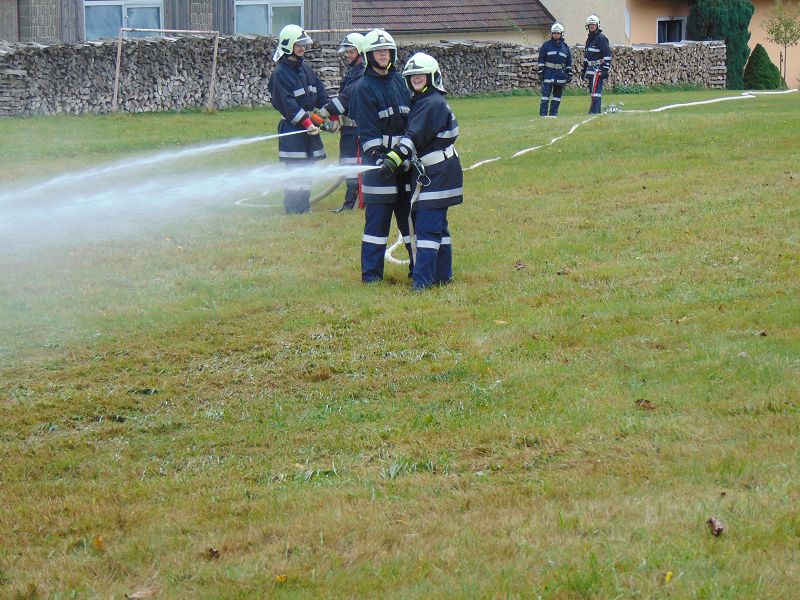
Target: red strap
306,123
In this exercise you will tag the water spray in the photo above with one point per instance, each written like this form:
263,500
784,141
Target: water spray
136,164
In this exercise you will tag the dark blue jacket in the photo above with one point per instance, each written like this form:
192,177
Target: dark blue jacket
597,50
431,136
380,106
296,91
340,106
554,60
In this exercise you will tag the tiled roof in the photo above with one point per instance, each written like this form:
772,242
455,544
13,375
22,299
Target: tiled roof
418,16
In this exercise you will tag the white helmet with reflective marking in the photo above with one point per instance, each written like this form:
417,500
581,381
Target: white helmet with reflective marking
287,38
557,28
351,40
423,64
592,20
378,39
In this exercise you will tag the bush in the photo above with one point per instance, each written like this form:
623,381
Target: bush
760,72
726,20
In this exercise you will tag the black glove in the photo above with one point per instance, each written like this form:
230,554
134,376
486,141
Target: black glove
568,73
390,165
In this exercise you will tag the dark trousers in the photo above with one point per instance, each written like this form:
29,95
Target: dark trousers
376,235
434,263
597,95
297,190
547,88
351,193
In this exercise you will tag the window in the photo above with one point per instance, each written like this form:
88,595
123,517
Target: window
265,18
671,30
105,17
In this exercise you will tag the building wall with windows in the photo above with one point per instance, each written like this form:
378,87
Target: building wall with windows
658,22
572,15
647,18
48,21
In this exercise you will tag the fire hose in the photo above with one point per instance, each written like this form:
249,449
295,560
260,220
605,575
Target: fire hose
422,181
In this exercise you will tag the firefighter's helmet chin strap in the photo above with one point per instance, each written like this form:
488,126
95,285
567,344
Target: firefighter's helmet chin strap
371,62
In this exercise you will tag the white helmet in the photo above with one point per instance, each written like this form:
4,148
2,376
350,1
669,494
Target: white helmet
421,63
557,28
351,40
378,39
288,37
592,20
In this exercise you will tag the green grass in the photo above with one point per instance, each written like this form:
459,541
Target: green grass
225,382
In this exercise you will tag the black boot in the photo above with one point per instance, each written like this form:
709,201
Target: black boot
350,196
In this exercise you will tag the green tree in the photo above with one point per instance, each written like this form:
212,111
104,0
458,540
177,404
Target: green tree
783,28
760,72
726,20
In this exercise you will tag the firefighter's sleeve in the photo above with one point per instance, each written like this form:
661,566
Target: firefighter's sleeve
286,102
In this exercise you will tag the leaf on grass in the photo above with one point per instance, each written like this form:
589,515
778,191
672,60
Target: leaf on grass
281,578
664,578
762,333
716,526
645,404
144,593
499,322
563,272
211,553
519,265
99,543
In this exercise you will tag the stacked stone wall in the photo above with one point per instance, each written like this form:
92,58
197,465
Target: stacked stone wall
174,74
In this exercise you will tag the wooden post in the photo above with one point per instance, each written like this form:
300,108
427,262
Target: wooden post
210,104
116,72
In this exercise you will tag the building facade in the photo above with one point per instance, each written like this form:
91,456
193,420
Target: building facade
49,21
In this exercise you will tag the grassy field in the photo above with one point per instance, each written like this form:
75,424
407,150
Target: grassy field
217,408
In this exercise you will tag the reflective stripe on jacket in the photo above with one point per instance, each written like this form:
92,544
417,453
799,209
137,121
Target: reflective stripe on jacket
554,58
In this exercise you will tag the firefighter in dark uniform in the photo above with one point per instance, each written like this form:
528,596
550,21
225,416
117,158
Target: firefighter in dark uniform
555,66
380,105
596,62
337,110
430,137
296,91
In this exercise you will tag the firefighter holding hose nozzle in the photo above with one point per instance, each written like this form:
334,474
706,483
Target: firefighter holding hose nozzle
296,91
380,106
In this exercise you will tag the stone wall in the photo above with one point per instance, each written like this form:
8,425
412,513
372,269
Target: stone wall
174,74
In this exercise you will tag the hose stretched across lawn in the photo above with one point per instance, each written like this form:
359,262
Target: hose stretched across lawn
327,191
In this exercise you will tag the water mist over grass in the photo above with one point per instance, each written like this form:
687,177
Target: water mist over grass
125,197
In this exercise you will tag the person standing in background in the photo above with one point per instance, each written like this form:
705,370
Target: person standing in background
596,62
339,108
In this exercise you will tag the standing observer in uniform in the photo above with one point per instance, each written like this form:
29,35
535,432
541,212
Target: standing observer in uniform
380,105
555,67
296,91
338,108
429,139
596,62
